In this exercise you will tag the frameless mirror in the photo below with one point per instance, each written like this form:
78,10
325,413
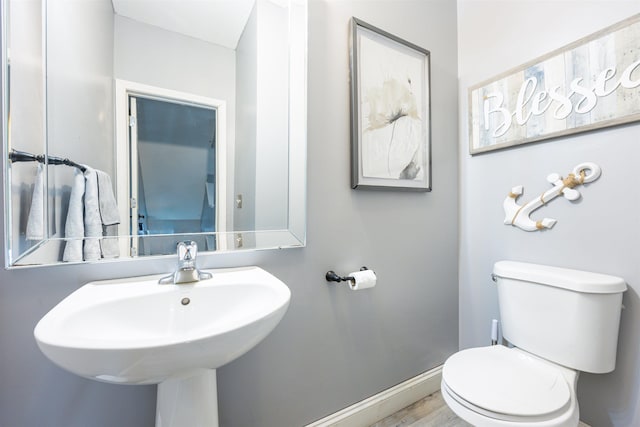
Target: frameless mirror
130,125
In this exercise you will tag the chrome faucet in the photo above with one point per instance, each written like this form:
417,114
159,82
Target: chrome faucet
186,271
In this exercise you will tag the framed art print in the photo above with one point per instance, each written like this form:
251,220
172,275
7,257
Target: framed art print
390,111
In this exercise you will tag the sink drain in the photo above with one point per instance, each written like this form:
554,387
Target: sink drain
185,301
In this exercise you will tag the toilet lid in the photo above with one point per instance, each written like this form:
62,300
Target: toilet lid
506,381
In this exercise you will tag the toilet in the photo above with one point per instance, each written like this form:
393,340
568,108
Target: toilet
558,322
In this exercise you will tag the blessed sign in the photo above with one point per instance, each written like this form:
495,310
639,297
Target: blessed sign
589,84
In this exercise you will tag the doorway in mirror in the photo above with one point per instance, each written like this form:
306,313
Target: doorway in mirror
173,182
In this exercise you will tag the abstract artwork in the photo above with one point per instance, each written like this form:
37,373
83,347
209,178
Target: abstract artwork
590,84
390,111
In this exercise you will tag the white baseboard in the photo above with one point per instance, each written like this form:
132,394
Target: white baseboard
385,403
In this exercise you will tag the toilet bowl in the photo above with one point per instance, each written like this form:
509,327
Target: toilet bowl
559,322
508,387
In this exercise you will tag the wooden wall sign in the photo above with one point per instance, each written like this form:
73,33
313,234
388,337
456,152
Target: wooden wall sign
590,84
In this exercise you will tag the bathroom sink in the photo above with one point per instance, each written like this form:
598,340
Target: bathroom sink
136,331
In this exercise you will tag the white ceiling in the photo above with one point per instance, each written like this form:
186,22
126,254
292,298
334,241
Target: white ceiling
215,21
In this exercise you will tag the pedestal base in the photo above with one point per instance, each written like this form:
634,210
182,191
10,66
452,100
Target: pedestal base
191,401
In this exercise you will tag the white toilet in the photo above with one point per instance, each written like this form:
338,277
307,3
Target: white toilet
560,322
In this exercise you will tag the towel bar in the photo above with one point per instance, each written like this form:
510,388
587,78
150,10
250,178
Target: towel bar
22,156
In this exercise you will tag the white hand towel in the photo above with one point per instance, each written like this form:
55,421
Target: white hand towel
35,221
109,246
109,215
74,227
107,201
92,220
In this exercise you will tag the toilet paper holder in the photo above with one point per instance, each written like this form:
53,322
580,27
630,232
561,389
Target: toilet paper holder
331,276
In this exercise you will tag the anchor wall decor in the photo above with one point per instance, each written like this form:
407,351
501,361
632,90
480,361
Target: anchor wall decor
518,215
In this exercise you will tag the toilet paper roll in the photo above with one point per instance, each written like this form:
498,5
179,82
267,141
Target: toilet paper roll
362,280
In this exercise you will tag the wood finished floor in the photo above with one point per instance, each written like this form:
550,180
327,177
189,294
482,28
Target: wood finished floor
431,411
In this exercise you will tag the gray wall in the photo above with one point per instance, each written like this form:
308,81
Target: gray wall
80,86
334,347
272,114
245,144
599,233
79,102
153,56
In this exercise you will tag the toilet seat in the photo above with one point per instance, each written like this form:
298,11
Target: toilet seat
511,385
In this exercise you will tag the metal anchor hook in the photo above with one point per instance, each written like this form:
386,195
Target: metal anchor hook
518,215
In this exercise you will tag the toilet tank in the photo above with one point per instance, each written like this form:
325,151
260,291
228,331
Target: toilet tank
569,317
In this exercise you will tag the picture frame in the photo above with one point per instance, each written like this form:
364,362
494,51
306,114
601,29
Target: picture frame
390,111
587,85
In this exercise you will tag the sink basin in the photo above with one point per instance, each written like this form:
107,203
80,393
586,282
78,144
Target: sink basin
136,331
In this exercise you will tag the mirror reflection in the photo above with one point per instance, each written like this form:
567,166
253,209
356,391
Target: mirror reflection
187,119
176,182
172,201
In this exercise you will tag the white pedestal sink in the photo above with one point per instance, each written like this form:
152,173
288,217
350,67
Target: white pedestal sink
136,331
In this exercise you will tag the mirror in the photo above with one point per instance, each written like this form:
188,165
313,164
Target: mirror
130,125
